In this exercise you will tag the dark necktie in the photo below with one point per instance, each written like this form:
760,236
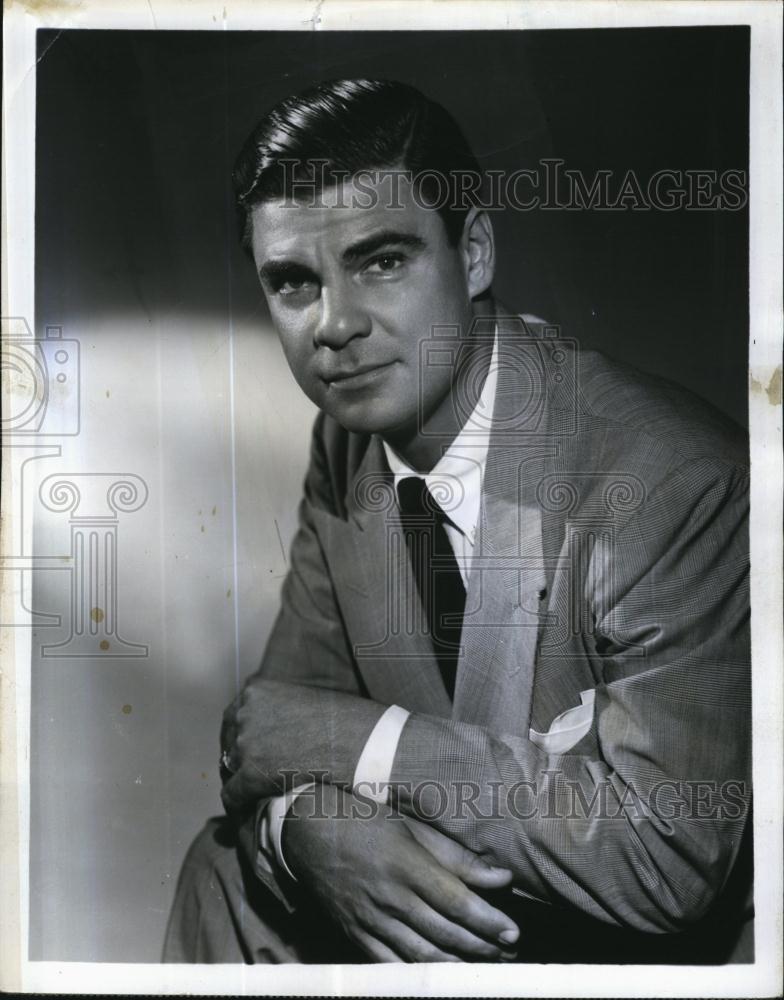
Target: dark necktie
436,573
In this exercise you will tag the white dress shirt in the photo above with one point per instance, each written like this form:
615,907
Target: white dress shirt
456,484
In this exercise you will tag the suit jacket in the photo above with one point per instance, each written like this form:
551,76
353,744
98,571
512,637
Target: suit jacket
601,718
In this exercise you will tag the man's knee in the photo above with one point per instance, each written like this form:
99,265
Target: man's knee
223,913
200,926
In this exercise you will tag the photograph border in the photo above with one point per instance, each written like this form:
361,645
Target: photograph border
763,977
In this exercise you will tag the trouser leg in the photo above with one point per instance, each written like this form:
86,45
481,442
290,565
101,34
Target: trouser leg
222,913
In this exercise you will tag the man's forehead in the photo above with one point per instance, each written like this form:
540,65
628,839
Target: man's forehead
336,216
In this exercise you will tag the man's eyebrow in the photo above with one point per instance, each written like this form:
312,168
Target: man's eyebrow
384,238
281,269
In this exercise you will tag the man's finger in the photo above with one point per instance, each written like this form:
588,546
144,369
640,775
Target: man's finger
469,867
475,871
374,948
412,946
245,787
231,801
452,937
450,897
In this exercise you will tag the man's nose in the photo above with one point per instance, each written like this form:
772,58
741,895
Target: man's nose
342,318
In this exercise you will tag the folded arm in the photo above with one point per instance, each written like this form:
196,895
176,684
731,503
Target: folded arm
643,828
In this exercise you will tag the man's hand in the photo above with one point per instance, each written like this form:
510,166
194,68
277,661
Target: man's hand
398,888
275,729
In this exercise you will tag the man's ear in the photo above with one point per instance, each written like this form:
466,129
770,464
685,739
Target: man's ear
477,245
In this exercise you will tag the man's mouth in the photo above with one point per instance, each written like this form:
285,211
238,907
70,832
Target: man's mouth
355,378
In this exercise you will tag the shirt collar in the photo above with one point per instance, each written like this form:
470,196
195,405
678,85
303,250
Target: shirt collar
456,479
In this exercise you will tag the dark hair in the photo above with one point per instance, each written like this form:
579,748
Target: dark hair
348,126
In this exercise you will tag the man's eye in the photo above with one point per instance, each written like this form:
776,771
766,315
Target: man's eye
385,263
291,286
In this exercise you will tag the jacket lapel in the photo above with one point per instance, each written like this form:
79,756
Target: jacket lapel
383,611
507,582
500,625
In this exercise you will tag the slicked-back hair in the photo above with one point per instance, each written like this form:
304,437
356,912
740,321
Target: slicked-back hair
338,129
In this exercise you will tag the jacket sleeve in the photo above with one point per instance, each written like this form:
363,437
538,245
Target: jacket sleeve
307,645
642,829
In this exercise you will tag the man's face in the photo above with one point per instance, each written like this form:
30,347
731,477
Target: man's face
353,293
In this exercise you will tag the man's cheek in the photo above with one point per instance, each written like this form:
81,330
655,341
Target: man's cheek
313,387
306,379
293,352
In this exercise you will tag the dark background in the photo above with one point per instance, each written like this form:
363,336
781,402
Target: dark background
137,257
137,132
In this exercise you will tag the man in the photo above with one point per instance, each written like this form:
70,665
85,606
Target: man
504,711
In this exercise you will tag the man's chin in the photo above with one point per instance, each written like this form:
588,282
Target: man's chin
367,419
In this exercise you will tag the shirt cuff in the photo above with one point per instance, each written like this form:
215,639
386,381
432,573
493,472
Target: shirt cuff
270,830
264,853
374,767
